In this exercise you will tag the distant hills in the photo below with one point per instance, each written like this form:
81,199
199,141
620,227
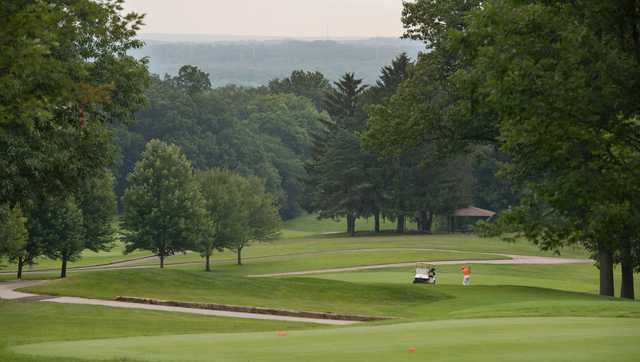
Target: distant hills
255,61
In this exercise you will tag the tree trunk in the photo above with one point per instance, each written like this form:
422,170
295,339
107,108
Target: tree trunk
424,225
239,256
428,222
626,286
63,270
161,259
606,272
400,226
20,266
353,225
208,262
377,222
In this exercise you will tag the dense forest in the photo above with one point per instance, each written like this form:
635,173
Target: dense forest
302,135
251,131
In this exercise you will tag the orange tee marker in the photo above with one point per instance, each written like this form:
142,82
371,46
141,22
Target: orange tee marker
282,334
412,350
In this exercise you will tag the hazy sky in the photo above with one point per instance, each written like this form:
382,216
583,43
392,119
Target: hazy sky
288,18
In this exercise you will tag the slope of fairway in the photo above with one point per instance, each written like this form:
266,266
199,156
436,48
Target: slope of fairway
575,277
314,294
510,339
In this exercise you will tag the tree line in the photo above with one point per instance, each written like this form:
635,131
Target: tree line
350,178
554,87
251,131
303,136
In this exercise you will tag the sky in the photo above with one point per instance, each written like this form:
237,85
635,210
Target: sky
272,18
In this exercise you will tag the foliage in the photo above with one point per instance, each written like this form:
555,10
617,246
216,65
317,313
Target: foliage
311,85
192,80
258,220
344,102
13,231
97,201
164,209
223,197
65,72
57,224
248,131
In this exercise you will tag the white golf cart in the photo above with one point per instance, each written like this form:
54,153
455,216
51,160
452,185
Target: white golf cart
425,274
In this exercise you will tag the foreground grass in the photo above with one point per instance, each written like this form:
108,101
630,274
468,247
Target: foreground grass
35,322
521,339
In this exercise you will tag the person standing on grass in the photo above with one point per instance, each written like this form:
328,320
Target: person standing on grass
466,272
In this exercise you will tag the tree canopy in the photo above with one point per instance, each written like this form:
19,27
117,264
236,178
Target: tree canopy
163,207
64,72
246,130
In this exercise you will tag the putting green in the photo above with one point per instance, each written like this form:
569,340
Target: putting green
512,339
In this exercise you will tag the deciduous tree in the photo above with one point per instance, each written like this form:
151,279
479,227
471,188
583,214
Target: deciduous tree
258,216
164,209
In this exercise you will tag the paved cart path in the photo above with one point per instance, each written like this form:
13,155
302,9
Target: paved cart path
7,291
513,260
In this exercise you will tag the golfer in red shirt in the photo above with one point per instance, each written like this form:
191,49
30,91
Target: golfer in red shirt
466,272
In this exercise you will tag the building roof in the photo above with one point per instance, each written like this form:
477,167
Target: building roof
474,212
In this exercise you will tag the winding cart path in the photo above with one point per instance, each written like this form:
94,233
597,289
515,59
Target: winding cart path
513,260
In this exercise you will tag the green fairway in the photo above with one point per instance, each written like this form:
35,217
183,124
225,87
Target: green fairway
325,259
88,258
307,225
293,248
577,278
34,322
349,251
512,339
